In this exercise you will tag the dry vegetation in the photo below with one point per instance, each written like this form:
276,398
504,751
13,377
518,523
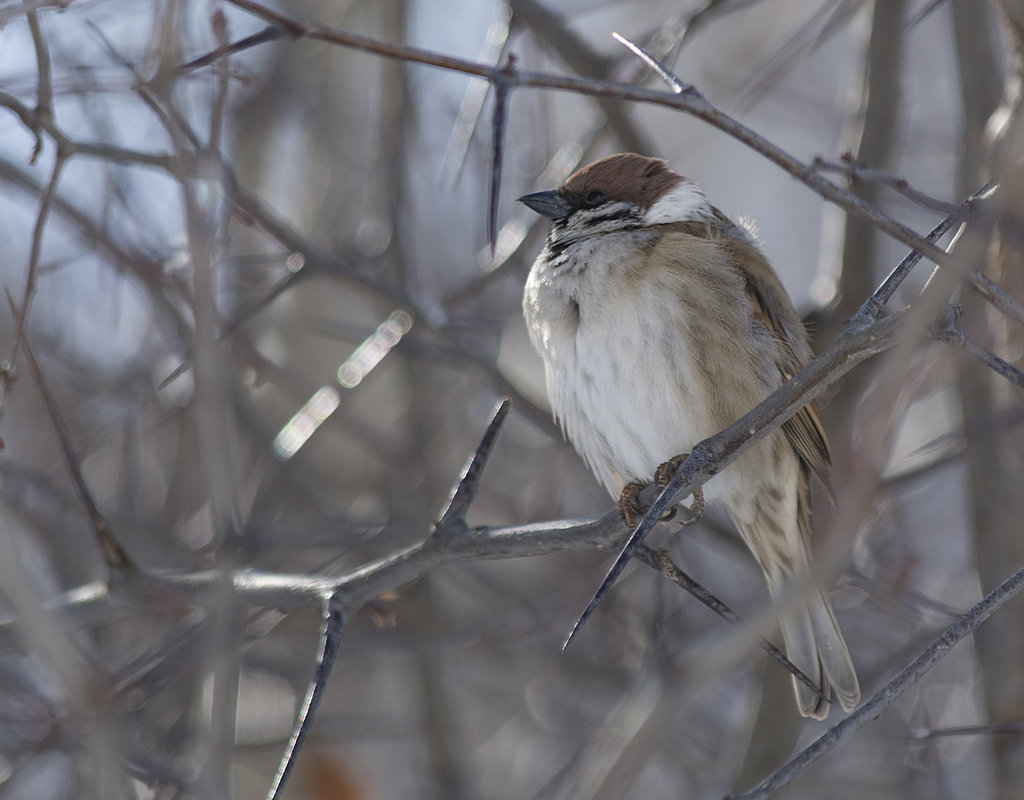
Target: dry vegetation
263,268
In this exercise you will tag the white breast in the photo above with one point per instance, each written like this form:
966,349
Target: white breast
629,394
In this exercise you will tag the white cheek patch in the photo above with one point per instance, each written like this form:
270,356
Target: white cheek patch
685,202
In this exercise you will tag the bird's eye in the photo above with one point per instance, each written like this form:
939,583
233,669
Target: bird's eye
595,198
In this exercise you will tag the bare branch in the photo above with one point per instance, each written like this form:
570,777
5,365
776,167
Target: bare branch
859,173
883,294
269,34
825,21
999,299
499,123
583,59
861,337
44,83
473,99
327,653
21,312
660,70
690,103
219,25
949,332
464,492
966,730
453,517
659,559
38,124
893,690
113,554
450,539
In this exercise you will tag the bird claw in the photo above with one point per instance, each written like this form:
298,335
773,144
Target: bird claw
629,503
663,474
696,507
630,508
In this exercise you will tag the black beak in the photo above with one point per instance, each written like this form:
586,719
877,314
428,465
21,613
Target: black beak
548,204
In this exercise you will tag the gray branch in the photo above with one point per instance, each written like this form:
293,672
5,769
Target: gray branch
889,693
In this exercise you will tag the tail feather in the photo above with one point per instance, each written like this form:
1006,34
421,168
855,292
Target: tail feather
798,637
816,647
832,650
775,523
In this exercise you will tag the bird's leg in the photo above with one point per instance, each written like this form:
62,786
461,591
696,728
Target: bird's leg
630,508
663,474
629,504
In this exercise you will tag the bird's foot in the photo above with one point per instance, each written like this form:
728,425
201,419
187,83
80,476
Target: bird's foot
631,509
663,474
629,503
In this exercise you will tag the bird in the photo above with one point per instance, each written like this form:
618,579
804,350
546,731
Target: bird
660,322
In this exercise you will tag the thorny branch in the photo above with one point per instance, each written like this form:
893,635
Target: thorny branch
661,559
892,691
113,554
859,173
949,332
451,540
32,271
865,335
327,653
690,102
709,457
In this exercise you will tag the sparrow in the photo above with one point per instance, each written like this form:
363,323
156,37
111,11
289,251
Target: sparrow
660,322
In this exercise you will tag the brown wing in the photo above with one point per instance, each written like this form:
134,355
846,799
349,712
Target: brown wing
773,308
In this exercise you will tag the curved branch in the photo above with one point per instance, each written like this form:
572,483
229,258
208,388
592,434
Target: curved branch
690,102
889,693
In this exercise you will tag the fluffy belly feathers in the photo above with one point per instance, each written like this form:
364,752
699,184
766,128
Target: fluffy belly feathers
623,422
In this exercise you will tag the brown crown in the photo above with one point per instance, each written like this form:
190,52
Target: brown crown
626,176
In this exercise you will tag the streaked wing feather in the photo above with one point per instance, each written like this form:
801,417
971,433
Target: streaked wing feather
772,307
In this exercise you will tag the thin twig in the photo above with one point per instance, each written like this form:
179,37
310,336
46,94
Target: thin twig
473,99
826,19
499,124
219,25
692,103
268,34
661,560
1014,726
862,336
354,589
38,124
857,173
875,304
858,341
893,690
676,85
481,543
113,554
464,491
327,653
128,259
582,58
21,312
951,333
999,299
44,83
453,516
252,208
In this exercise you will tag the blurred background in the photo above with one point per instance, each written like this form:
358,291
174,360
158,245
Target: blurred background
262,301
